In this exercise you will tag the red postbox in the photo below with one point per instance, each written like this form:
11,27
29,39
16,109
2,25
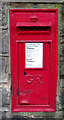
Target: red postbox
33,46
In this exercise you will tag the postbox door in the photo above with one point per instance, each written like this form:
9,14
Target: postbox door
34,73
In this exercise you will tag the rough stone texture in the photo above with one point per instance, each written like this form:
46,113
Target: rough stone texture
5,96
5,40
5,14
62,67
5,65
4,78
0,65
0,115
0,97
5,100
5,115
62,83
62,60
42,1
22,5
62,40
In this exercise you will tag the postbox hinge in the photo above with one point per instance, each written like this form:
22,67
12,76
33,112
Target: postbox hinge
17,92
17,89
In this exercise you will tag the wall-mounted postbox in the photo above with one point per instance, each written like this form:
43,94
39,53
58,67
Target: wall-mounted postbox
33,45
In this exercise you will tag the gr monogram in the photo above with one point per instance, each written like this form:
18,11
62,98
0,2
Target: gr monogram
33,78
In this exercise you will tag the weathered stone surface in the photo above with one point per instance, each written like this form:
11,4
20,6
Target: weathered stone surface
5,63
0,96
16,117
62,33
0,65
0,22
62,30
6,95
0,38
5,41
62,40
42,1
62,83
0,15
0,115
62,49
49,5
4,14
6,115
1,10
3,78
62,96
37,115
22,5
62,8
62,68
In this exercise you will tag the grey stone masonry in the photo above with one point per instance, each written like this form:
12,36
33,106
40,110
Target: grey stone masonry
0,37
62,44
41,1
0,59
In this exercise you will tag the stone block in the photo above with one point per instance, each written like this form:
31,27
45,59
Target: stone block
37,115
0,65
6,96
22,5
0,5
6,115
0,50
41,1
5,14
62,49
48,5
0,115
0,15
62,28
62,31
62,68
4,20
62,40
5,41
62,83
3,78
5,62
0,41
62,8
0,22
61,96
17,117
0,96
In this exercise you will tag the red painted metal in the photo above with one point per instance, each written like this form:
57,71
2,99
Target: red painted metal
33,89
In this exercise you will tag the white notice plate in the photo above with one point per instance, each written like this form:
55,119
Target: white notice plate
33,55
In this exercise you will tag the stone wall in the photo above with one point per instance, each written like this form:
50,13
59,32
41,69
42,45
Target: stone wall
62,61
5,73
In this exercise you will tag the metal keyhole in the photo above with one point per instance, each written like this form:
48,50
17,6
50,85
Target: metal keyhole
24,73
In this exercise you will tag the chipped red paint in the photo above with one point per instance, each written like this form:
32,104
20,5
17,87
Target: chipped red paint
33,89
